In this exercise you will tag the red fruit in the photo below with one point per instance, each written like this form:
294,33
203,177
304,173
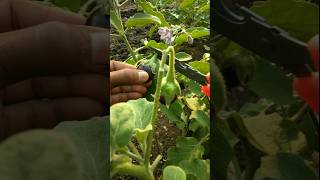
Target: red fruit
206,88
308,90
314,50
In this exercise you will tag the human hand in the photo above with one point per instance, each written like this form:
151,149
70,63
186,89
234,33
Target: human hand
49,71
126,82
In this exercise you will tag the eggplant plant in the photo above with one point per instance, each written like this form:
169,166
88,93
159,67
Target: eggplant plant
133,123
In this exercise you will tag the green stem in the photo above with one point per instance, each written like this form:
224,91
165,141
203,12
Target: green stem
147,154
133,148
171,73
132,170
156,162
299,115
133,156
132,52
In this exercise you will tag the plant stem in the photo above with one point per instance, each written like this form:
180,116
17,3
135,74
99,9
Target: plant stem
204,139
298,116
147,154
156,162
134,156
133,148
171,73
132,52
132,170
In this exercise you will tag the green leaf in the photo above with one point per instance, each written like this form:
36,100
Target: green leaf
299,18
284,166
122,124
116,22
182,56
222,146
39,155
173,173
194,87
173,114
142,20
157,45
186,4
194,103
270,82
268,135
254,109
143,115
149,9
187,148
199,119
201,66
90,139
200,169
310,131
195,33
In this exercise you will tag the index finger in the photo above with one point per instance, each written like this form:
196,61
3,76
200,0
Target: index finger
17,14
116,66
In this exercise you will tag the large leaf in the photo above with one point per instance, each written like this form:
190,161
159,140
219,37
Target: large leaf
149,9
272,83
200,169
143,114
90,139
267,134
174,173
122,122
187,148
222,151
284,166
39,155
142,20
299,18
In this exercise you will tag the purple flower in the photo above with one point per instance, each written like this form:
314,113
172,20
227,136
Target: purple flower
166,35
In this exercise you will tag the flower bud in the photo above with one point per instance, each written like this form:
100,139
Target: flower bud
170,90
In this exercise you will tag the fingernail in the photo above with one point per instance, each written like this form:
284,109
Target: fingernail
143,76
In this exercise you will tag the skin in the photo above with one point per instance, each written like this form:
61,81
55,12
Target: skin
53,69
